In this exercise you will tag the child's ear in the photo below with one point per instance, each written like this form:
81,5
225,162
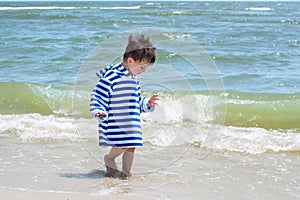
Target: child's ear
130,60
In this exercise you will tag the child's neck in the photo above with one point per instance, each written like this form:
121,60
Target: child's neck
126,67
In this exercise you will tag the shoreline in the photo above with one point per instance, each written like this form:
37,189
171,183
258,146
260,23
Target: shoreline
18,194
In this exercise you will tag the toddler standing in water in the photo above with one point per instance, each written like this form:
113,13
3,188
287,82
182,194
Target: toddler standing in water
117,102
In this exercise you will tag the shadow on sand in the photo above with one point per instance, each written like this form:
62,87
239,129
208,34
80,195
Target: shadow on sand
94,174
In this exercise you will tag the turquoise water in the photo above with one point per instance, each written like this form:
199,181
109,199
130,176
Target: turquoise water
47,48
255,47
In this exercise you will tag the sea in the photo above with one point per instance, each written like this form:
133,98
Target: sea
227,73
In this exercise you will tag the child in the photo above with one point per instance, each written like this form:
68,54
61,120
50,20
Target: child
117,102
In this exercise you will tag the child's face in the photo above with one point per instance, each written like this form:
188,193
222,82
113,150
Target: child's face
137,67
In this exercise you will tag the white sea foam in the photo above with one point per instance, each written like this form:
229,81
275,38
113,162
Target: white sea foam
166,133
255,140
121,8
260,8
29,127
182,108
42,8
178,13
223,138
68,8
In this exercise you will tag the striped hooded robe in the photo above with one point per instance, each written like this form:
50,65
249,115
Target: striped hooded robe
118,94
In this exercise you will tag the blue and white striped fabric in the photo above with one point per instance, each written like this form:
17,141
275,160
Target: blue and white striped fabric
118,94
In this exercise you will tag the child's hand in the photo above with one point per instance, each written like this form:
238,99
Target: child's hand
101,114
153,101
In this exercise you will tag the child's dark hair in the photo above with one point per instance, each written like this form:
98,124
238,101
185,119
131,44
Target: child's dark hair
140,49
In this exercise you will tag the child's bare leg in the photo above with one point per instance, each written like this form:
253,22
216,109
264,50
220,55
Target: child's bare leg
128,160
109,160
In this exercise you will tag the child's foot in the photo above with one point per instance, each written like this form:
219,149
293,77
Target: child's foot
122,175
126,175
111,166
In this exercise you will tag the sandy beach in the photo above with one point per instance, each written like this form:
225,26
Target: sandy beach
37,171
12,194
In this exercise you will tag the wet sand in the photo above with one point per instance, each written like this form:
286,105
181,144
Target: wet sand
12,194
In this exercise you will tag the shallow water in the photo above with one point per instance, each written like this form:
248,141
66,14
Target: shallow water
160,173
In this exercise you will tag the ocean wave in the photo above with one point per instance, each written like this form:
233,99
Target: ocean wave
223,138
290,21
120,8
37,128
69,8
268,111
22,98
259,8
170,13
255,140
42,8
